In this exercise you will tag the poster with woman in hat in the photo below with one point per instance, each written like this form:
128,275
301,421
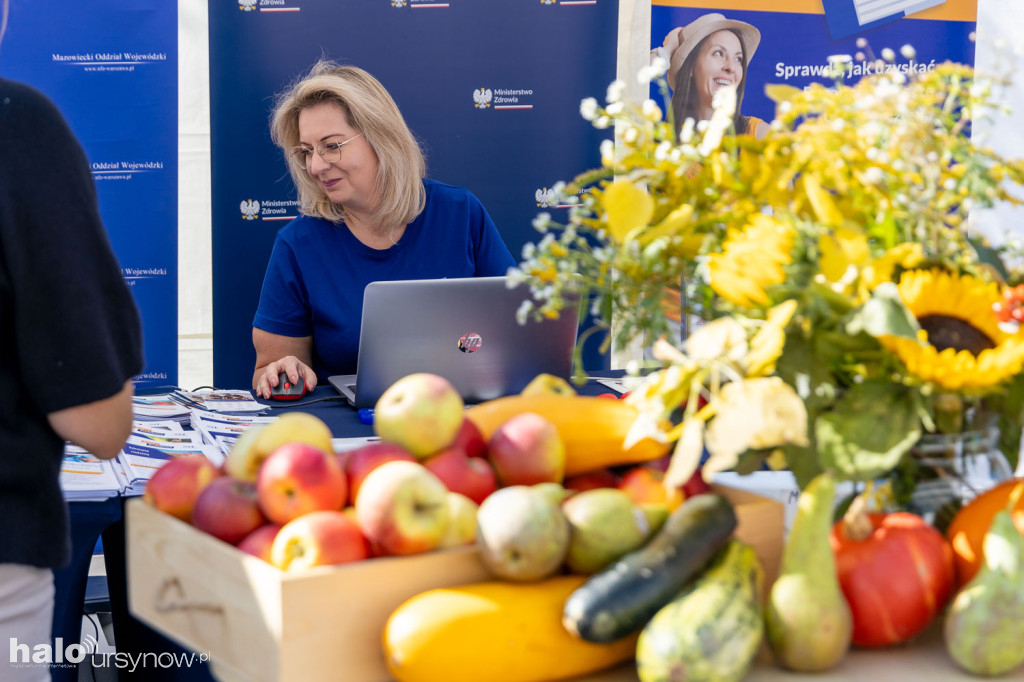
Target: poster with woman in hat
711,44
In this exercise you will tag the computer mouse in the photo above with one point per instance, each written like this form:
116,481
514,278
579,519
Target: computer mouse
286,390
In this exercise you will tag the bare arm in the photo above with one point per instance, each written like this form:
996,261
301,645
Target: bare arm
100,427
276,354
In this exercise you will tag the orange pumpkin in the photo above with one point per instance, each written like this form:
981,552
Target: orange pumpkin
896,573
968,528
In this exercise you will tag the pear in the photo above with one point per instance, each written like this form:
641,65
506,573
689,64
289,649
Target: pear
522,532
605,524
984,627
808,621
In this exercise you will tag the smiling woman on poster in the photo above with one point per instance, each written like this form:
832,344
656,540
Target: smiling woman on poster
708,54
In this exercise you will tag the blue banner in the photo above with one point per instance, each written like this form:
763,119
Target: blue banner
111,66
491,89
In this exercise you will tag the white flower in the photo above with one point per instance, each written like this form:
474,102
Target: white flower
656,69
540,223
615,108
874,175
908,51
588,109
524,310
650,110
686,132
754,414
862,42
724,102
607,152
723,339
602,122
888,55
616,90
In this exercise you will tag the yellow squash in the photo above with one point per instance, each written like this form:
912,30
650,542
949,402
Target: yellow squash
493,631
593,429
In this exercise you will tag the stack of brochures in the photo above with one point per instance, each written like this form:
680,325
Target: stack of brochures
165,426
85,478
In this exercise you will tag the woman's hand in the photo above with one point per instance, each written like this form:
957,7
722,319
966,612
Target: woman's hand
270,376
276,354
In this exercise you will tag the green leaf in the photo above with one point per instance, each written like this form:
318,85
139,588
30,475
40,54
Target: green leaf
989,256
884,314
803,463
870,429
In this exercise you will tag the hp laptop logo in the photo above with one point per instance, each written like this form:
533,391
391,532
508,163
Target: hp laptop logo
471,342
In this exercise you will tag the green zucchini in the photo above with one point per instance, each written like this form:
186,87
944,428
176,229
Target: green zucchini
619,600
710,632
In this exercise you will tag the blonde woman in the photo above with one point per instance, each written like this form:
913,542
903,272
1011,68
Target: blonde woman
368,214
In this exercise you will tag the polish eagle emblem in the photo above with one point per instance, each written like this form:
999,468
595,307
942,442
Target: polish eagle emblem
250,209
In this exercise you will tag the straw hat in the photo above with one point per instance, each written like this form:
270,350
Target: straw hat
679,42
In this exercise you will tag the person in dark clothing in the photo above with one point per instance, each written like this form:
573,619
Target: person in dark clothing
70,343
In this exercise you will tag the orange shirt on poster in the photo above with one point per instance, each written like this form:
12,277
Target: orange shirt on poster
951,10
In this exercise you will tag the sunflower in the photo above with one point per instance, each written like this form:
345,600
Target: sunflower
752,258
961,346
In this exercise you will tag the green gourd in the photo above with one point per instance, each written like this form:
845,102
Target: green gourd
710,632
808,622
984,627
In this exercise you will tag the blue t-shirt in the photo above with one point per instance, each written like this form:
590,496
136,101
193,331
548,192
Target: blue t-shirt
318,270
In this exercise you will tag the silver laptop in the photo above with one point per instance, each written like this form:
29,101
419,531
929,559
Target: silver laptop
462,329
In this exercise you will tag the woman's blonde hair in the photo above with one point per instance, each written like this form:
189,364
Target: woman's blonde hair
371,111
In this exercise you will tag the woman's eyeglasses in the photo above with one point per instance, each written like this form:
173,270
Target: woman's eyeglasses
328,151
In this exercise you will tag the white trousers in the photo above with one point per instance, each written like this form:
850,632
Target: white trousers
26,621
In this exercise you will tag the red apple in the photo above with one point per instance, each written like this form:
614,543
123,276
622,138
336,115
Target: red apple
646,485
469,476
176,485
258,441
599,478
421,412
259,542
362,461
319,538
228,509
526,450
296,479
402,508
470,439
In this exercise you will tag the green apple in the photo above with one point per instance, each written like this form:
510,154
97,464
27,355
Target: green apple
421,412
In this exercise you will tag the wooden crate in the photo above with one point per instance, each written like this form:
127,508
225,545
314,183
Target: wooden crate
259,623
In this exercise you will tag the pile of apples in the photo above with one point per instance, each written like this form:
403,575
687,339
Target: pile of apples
285,496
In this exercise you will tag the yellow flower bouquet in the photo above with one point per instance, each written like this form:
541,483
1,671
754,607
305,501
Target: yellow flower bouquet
845,307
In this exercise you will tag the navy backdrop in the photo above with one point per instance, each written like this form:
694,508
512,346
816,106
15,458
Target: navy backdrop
111,66
432,57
